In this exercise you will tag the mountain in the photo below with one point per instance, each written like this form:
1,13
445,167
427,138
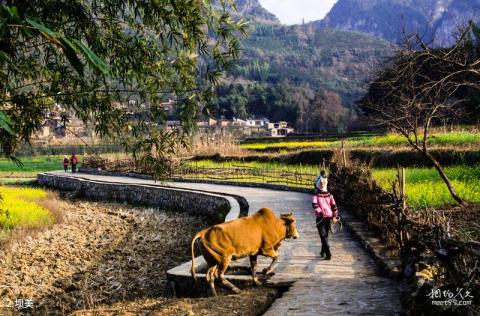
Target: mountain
252,10
322,58
307,76
302,74
459,13
435,20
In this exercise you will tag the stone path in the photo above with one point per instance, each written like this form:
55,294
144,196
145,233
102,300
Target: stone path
346,285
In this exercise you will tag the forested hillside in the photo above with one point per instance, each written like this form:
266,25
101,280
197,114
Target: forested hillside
334,60
288,71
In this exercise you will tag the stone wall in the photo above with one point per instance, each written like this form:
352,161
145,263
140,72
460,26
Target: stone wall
215,207
240,199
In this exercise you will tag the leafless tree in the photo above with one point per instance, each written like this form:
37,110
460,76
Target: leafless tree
421,87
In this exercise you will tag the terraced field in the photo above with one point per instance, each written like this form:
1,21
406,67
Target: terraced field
461,138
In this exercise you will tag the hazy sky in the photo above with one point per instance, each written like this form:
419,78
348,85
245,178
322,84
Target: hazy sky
293,11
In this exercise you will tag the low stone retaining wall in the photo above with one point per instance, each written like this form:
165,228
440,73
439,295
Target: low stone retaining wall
101,172
215,207
240,199
386,258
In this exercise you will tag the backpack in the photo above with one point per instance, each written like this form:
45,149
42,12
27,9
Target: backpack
317,183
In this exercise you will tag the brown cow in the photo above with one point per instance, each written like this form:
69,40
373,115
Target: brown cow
258,234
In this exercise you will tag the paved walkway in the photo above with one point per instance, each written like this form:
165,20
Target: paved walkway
346,285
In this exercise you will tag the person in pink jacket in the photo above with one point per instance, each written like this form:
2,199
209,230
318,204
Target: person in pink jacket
326,213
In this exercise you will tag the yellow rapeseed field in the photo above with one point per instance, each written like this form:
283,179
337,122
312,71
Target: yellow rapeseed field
19,207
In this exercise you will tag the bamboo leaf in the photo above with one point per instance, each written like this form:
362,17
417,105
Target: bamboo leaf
92,58
6,123
72,47
45,31
71,54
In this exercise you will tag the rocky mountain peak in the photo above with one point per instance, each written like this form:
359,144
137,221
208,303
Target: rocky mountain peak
435,20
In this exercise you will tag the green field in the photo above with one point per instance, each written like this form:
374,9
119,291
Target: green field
11,173
425,188
34,164
440,139
253,172
259,165
19,208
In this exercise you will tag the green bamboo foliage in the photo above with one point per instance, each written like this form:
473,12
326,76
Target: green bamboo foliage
93,58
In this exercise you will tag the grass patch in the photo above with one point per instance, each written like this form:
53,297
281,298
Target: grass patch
12,174
34,164
301,176
18,177
292,144
425,188
21,208
255,164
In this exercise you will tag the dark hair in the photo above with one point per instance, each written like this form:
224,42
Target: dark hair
322,173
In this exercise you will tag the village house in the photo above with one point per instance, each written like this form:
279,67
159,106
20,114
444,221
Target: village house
245,128
238,122
257,122
279,129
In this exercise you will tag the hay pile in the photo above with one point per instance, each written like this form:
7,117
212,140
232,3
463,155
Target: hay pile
126,165
145,165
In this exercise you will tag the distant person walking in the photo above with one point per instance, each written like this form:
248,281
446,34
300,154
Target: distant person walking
74,161
326,213
65,163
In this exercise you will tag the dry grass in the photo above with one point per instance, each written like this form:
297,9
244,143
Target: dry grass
101,254
212,149
53,204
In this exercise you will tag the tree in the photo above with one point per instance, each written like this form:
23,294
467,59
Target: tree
324,113
142,51
419,88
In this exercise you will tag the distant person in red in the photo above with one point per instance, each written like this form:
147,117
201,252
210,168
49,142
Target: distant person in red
65,163
74,161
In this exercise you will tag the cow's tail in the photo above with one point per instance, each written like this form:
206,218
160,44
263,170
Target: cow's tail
192,270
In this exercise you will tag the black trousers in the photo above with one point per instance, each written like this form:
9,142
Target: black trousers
323,226
74,168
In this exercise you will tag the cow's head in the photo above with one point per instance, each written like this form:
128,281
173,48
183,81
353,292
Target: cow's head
290,223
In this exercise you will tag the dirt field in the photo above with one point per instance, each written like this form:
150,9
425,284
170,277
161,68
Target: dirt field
109,259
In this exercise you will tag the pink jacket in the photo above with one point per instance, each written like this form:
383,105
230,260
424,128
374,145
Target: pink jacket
324,205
